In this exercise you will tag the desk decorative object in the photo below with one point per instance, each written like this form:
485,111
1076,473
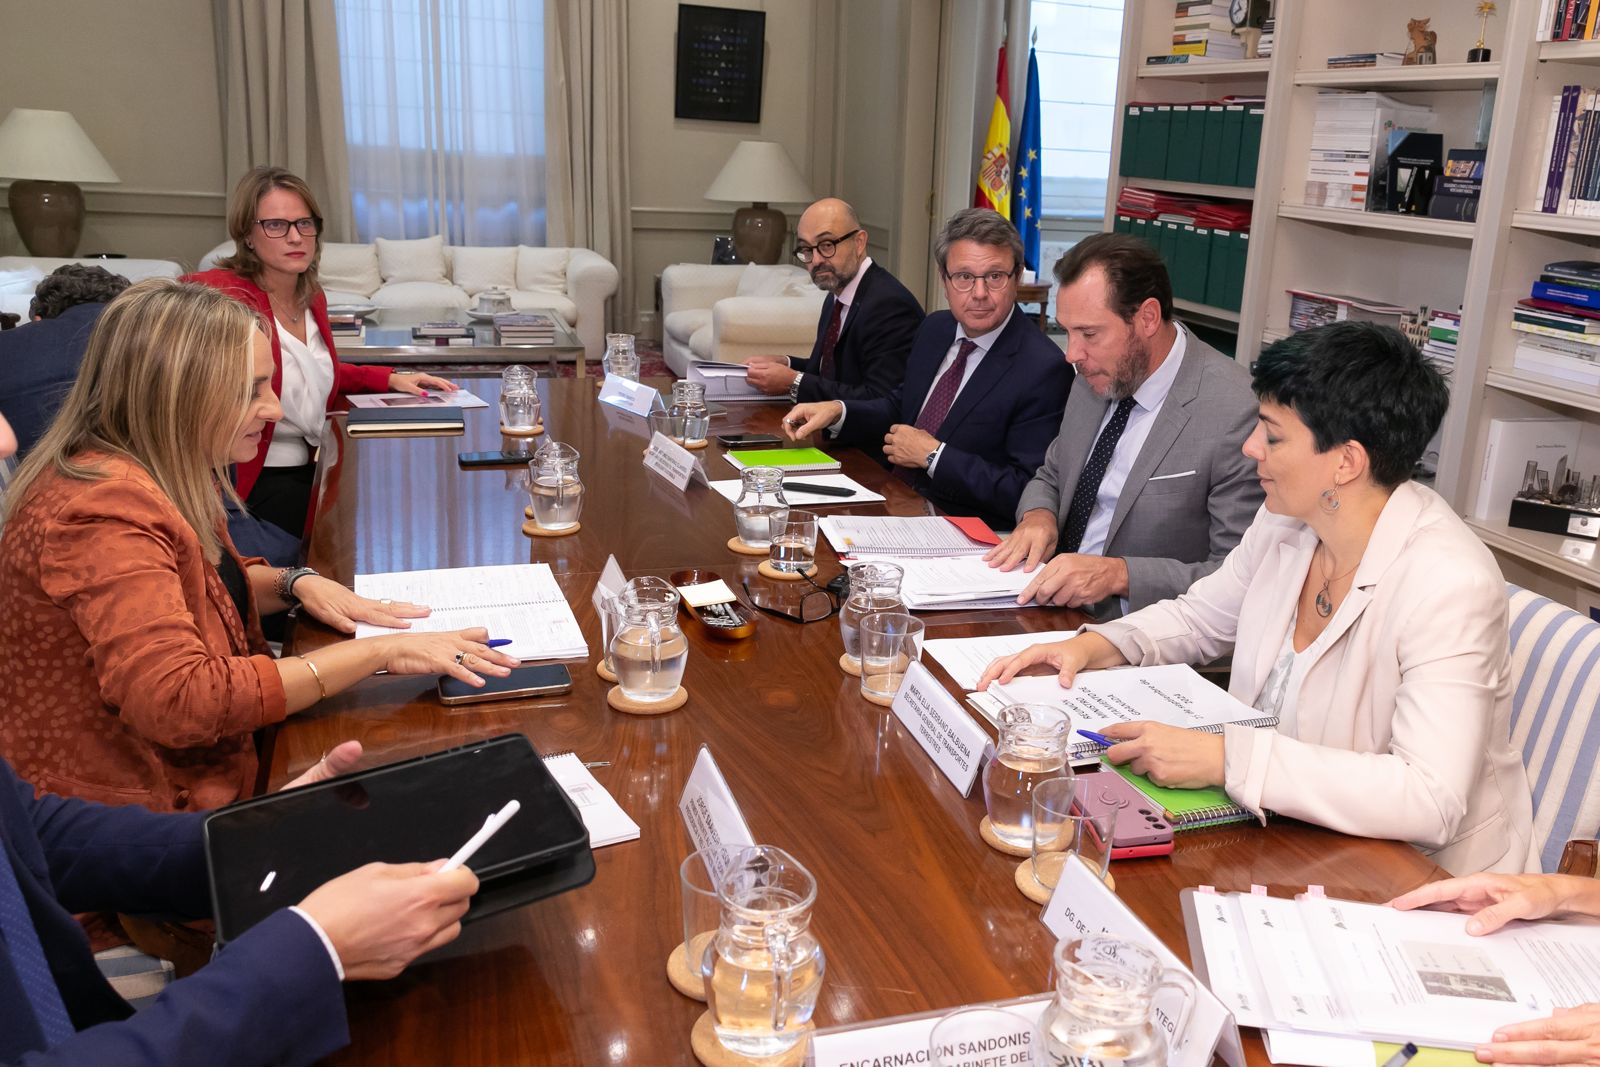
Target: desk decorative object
1562,505
1478,53
1424,48
811,771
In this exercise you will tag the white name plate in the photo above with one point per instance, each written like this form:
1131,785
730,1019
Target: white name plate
612,581
708,809
630,396
952,738
673,462
905,1039
1081,904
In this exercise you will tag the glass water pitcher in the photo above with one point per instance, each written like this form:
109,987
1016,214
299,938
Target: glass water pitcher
556,492
873,587
761,507
1105,1009
689,404
649,651
1033,747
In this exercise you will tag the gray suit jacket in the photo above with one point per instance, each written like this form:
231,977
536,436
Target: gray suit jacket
1191,492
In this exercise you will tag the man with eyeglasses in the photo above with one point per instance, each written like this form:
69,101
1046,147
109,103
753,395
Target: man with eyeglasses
1145,489
867,320
983,390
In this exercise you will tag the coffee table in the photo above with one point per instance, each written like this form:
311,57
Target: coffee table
389,342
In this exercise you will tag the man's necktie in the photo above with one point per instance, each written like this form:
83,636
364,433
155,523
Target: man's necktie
939,402
830,340
27,956
1094,471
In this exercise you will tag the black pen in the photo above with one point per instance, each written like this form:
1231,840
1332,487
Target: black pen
820,490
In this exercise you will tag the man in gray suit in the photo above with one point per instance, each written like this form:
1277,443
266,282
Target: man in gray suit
1145,488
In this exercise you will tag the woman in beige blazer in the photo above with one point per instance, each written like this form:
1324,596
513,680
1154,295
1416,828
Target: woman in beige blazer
1359,609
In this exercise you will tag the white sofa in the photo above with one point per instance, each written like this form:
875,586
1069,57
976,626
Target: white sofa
21,275
731,313
427,273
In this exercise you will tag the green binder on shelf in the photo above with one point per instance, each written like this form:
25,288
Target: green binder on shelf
1182,145
1128,161
1211,145
1124,224
1238,255
1250,144
1141,229
1228,153
1218,259
1169,244
1194,261
1155,126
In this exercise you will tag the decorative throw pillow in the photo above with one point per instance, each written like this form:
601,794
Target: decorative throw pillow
477,269
349,268
542,269
412,261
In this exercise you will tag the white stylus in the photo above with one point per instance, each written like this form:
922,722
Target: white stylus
491,826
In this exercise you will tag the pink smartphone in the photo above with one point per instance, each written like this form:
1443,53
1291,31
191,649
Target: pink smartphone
1141,829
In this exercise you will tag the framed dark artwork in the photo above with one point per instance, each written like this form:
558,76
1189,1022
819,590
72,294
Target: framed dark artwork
719,63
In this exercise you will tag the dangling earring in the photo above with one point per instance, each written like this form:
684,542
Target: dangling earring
1330,500
250,246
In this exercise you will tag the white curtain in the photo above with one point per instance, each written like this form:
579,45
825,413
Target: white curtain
444,115
587,85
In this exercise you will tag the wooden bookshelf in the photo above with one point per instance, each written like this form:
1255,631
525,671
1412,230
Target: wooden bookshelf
1416,225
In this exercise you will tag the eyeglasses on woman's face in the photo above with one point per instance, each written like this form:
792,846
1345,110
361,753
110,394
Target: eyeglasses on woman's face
310,226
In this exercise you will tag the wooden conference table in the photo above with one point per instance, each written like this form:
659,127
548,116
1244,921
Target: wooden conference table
914,912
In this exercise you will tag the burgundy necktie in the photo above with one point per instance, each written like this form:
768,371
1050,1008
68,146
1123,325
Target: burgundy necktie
831,339
939,402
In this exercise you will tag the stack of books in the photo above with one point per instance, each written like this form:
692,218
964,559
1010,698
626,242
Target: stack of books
1443,335
1203,28
1269,37
1308,309
1560,323
1571,153
1456,193
1349,130
1365,59
525,328
349,331
1567,20
448,333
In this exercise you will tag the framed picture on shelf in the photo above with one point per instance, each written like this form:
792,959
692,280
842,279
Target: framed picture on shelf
720,55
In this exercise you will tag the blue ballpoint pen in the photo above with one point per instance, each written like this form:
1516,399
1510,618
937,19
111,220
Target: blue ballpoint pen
1099,739
498,642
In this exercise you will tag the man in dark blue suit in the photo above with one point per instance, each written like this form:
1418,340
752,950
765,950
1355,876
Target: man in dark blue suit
39,360
868,320
984,389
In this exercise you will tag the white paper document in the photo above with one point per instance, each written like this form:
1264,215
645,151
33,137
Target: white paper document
461,398
897,535
1319,965
520,602
966,657
802,499
726,382
959,582
602,816
1174,694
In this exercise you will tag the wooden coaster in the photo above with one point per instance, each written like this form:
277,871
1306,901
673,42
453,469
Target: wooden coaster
881,701
629,706
601,669
852,668
986,831
685,980
767,570
743,549
509,432
533,529
1040,894
709,1051
695,446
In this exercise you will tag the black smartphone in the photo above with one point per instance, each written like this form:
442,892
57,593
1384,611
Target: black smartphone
745,440
469,460
534,680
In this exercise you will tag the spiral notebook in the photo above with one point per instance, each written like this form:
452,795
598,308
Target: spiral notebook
1186,809
520,602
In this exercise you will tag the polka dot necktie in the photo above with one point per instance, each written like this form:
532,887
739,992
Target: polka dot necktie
21,944
1094,471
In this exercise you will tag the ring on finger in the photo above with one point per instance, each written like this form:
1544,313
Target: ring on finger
461,658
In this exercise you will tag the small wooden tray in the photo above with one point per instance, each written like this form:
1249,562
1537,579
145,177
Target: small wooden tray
732,621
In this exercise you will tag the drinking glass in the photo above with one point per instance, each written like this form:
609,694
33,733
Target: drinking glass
761,506
890,642
667,425
1059,832
1003,1036
795,549
1033,748
698,876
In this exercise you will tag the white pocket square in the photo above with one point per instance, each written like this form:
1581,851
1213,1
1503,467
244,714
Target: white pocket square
1169,477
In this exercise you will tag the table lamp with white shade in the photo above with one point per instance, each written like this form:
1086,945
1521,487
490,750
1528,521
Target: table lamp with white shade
759,173
46,153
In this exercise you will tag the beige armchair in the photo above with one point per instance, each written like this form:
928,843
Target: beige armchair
732,313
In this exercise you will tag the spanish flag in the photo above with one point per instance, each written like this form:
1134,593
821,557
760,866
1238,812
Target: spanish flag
994,169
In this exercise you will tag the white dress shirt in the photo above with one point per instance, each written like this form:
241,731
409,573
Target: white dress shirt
846,297
307,381
1147,401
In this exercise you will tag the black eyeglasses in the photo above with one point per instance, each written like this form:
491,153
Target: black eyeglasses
815,606
827,246
310,226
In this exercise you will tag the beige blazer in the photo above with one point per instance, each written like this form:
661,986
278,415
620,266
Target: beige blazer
1403,720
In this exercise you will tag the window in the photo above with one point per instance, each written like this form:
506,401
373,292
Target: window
1079,46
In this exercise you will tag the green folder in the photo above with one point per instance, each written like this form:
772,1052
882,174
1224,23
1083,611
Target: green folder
1155,126
1124,224
1239,256
1169,244
1182,158
789,459
1250,144
1186,809
1211,145
1141,229
1217,260
1228,158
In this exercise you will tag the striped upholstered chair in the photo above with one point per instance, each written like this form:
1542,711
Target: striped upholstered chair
1555,721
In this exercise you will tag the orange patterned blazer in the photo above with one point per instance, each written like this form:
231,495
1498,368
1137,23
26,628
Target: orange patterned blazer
126,673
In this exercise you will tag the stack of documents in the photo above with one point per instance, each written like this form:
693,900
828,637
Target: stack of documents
896,536
959,582
520,602
726,381
966,657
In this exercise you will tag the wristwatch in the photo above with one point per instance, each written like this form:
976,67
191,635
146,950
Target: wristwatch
794,386
927,464
284,584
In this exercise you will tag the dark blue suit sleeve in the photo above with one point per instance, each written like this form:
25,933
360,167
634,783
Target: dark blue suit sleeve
271,998
886,329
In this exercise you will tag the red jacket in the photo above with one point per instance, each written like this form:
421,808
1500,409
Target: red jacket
347,378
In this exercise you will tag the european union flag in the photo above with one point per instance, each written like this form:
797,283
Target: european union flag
1025,198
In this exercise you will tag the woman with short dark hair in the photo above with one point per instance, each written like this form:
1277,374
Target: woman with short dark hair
1360,611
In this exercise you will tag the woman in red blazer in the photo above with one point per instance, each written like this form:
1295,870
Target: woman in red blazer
275,225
